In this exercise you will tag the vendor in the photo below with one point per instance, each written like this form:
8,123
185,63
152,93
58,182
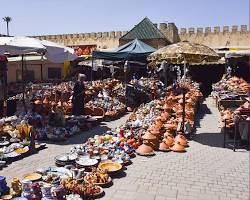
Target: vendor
78,96
1,99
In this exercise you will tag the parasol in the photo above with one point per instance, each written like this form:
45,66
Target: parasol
181,52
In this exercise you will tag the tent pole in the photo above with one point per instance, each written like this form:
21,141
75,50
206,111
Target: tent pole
92,64
184,98
23,84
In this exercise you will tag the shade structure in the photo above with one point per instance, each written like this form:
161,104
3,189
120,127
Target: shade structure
23,45
20,45
58,53
134,50
191,53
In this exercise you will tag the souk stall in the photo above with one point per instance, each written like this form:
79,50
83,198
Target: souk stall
230,92
231,95
87,169
184,53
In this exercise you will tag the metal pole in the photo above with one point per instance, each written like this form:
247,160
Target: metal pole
92,64
23,85
183,111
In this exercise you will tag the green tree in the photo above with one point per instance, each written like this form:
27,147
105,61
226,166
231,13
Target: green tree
7,19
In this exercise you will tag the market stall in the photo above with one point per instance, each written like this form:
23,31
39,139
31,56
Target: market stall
88,168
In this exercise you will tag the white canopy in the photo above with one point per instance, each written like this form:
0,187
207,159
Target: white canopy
22,45
58,53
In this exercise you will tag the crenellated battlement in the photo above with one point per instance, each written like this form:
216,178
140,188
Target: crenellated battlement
210,36
214,30
92,35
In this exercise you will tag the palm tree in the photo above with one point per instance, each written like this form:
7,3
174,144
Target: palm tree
7,19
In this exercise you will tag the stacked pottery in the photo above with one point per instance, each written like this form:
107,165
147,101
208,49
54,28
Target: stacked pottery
46,192
147,148
26,187
180,143
16,187
167,142
37,193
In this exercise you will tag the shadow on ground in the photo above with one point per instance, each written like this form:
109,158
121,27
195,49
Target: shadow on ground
203,110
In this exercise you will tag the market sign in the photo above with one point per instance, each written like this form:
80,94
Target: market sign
83,50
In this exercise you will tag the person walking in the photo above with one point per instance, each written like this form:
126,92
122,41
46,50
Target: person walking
78,96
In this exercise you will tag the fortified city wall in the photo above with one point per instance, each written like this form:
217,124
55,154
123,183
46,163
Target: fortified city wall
213,37
218,36
103,40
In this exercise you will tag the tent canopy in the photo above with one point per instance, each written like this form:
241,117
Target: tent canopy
134,50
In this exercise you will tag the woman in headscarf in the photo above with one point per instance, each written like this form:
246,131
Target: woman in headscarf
78,96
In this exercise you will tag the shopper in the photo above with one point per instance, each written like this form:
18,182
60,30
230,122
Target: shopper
78,96
1,99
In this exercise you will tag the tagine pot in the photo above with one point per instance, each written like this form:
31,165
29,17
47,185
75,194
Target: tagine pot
164,147
181,140
145,149
178,147
168,141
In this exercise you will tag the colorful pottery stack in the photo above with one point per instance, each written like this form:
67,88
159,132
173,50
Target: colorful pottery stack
37,193
26,187
16,187
46,192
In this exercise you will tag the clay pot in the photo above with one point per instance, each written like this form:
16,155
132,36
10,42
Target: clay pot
181,140
171,126
149,136
163,146
168,141
145,149
178,147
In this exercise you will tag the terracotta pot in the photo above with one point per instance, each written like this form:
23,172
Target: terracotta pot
171,126
164,147
168,141
178,147
145,149
181,140
149,136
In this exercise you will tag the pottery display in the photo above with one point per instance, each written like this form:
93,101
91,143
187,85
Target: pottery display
16,187
178,147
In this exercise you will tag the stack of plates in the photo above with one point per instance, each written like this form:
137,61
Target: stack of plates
86,162
65,159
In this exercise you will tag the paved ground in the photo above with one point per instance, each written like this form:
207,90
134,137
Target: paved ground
205,172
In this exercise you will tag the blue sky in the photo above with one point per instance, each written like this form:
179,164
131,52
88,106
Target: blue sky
36,17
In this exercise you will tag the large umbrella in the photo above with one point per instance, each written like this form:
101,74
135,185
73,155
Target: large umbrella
181,52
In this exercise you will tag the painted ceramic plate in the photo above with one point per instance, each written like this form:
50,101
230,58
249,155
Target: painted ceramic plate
12,154
4,143
22,150
87,162
32,177
110,166
66,157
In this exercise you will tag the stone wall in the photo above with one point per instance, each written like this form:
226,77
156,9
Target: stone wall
213,37
103,40
217,37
